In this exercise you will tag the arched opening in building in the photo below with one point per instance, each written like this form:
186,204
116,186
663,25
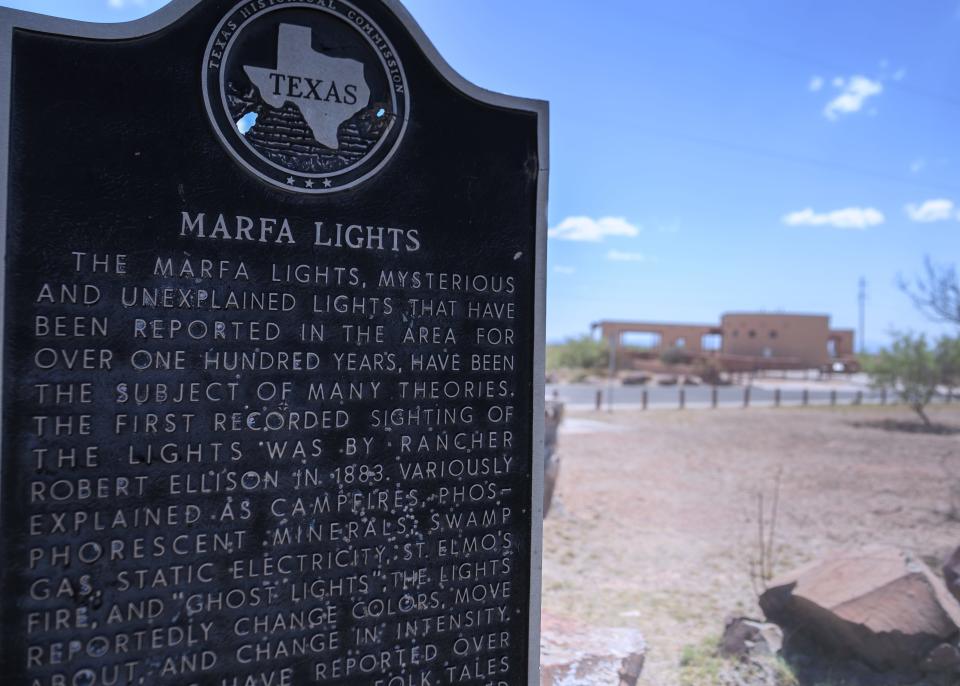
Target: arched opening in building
711,342
641,340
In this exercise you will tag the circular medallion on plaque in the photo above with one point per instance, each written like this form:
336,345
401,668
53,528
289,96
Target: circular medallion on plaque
308,95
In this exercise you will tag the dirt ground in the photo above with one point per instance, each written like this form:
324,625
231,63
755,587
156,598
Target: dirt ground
655,521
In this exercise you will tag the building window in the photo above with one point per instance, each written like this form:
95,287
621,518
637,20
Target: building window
773,334
736,333
680,343
752,334
712,341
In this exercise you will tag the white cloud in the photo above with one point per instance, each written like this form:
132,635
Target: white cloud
937,210
620,256
565,270
120,4
899,74
859,218
816,83
856,91
838,81
918,165
592,230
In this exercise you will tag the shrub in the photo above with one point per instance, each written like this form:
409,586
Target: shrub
948,361
912,369
709,371
581,352
673,356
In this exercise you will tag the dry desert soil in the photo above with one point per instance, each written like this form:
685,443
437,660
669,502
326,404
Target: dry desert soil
655,521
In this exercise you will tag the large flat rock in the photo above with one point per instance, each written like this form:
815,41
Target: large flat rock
573,654
878,604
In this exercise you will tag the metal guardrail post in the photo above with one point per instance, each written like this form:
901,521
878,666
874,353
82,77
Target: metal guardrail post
746,396
714,397
833,398
683,398
883,395
646,398
599,400
858,399
806,397
776,398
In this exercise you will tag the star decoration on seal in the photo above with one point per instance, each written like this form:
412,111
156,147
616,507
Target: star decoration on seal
291,181
308,183
327,183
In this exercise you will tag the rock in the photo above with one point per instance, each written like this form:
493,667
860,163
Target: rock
744,637
632,667
550,477
951,573
576,655
879,605
945,658
554,411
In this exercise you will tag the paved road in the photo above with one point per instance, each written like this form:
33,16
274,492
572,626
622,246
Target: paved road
584,395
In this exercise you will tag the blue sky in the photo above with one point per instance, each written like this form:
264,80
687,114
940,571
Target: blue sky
707,157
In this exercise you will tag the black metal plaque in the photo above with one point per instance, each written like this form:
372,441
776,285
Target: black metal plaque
272,365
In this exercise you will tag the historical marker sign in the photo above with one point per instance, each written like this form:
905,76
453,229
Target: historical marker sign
272,375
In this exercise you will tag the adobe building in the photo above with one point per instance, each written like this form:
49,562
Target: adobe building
743,341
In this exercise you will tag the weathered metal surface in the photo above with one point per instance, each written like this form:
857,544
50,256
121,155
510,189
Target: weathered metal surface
272,353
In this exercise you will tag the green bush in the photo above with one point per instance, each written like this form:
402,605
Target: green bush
581,352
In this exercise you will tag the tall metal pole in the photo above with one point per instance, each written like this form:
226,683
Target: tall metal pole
611,372
863,315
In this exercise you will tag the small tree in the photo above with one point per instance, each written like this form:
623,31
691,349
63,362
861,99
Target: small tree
911,368
936,293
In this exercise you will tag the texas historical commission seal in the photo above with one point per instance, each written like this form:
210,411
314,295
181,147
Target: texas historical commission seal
309,95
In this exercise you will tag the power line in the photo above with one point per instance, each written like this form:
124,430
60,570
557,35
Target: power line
800,159
795,56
